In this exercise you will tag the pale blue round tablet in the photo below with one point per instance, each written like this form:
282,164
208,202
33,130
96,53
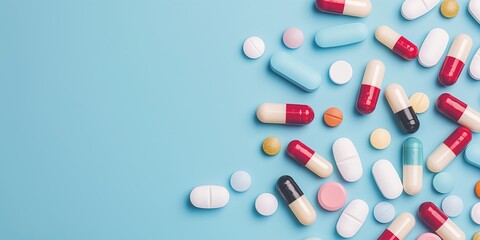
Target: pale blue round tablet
443,182
384,212
240,181
452,206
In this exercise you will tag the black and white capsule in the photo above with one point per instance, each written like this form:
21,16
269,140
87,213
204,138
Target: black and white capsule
400,105
296,200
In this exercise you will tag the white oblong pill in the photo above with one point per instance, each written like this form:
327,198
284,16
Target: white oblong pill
474,69
347,159
412,9
387,179
474,9
433,47
352,218
253,47
209,196
266,204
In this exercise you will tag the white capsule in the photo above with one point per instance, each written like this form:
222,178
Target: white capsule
209,196
352,218
387,179
433,47
347,159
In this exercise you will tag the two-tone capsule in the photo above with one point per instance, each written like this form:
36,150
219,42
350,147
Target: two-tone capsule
370,88
396,42
412,158
400,105
438,222
290,114
458,111
449,149
399,228
455,61
355,8
309,158
296,200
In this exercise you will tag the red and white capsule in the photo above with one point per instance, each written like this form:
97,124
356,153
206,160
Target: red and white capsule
396,42
438,222
309,158
449,149
355,8
399,228
455,61
458,111
290,114
370,88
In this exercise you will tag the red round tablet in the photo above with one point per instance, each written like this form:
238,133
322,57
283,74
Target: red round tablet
332,196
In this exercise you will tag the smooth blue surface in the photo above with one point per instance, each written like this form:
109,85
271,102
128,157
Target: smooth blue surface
113,110
341,35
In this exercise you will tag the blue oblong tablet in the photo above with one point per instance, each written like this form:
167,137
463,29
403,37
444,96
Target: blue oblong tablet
295,71
341,35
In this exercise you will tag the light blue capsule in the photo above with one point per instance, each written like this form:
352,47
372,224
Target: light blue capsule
341,35
295,71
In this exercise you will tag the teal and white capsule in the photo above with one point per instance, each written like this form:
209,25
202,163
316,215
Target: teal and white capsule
412,157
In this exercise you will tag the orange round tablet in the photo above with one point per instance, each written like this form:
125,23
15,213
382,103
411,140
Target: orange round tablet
477,189
333,117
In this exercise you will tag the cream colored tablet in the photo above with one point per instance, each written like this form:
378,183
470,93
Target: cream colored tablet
380,138
420,102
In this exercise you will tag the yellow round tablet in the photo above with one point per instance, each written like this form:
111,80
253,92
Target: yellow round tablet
420,102
271,146
449,8
380,138
476,236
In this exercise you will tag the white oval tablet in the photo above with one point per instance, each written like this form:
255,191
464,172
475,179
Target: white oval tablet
240,181
475,214
209,196
387,179
412,9
474,9
452,206
254,47
352,218
266,204
347,159
474,69
433,47
340,72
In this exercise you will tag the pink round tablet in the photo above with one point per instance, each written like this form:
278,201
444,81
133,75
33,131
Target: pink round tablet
332,196
428,236
293,38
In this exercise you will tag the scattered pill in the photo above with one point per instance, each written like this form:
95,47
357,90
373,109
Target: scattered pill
340,72
475,214
293,38
413,9
271,146
420,102
472,155
240,181
352,218
399,228
290,114
396,42
296,200
403,111
209,197
412,160
370,88
455,61
443,182
295,71
380,138
474,69
476,236
253,47
384,212
347,159
458,111
333,117
387,179
449,8
474,9
477,189
452,206
266,204
433,47
429,236
438,222
341,35
332,196
355,8
449,149
309,158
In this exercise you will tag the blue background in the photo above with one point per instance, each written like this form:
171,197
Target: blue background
113,110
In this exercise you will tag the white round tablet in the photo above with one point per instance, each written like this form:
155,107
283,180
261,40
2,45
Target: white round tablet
266,204
240,181
254,47
475,214
452,206
384,212
340,72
